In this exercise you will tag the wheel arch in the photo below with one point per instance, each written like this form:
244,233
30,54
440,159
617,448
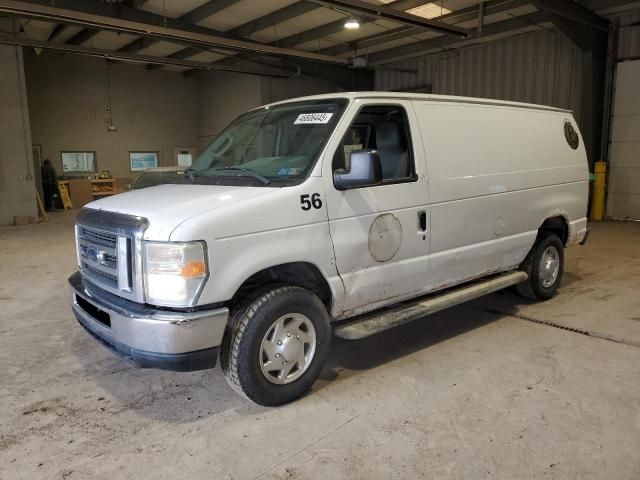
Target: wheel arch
300,274
557,224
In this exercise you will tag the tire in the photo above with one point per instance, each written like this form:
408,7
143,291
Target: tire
282,328
542,283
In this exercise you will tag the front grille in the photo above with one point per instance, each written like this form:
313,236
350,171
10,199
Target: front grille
109,246
102,277
99,237
98,257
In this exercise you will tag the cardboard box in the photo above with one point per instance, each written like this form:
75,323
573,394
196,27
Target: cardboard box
22,220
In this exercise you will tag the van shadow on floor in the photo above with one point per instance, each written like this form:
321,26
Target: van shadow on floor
348,357
185,397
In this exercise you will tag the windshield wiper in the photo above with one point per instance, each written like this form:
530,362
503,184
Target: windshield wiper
254,174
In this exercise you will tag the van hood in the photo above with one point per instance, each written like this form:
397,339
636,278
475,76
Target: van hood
167,206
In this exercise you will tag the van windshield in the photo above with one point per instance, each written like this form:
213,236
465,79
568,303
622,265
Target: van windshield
270,146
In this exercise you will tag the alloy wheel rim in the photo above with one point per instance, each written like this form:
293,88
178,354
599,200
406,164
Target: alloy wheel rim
549,266
287,349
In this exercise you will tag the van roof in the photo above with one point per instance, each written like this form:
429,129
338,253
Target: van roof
425,97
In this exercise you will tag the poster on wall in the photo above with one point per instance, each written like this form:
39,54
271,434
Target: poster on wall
142,160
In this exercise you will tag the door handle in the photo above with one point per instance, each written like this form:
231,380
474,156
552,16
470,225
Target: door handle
422,221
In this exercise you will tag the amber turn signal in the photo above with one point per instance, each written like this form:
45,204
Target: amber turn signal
193,269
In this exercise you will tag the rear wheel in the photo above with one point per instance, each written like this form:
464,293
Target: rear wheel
276,345
545,266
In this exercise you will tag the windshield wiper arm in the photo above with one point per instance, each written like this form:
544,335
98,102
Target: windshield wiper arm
254,174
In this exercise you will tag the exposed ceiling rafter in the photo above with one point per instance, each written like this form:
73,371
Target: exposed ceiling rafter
190,34
573,12
58,30
442,42
359,7
297,9
132,57
282,15
191,17
491,7
206,10
83,36
88,33
319,32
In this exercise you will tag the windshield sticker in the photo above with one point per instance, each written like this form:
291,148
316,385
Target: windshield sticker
288,172
313,119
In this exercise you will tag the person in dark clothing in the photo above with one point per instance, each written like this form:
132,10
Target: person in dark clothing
49,184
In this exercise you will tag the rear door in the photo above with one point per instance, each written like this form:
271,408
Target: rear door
380,233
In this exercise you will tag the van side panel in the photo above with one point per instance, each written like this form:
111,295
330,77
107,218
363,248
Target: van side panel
495,174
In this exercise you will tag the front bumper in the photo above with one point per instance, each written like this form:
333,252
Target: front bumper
150,338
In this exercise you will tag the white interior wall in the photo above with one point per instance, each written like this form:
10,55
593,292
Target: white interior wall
17,187
623,199
68,96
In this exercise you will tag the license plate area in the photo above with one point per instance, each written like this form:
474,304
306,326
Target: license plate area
99,315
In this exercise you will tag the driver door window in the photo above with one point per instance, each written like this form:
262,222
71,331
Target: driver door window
383,128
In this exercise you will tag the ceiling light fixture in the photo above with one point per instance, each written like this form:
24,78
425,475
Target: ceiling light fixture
351,24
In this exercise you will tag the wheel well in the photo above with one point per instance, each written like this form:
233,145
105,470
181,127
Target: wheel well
557,225
299,274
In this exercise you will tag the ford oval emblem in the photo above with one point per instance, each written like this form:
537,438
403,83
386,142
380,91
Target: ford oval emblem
92,254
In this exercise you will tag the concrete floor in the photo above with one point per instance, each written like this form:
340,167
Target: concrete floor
468,393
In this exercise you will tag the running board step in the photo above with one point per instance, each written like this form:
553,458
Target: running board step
370,324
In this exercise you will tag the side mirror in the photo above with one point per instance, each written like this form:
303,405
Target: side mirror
365,170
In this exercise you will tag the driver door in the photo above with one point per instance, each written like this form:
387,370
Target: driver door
380,233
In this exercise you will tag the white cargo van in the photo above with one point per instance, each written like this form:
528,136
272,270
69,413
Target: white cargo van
307,217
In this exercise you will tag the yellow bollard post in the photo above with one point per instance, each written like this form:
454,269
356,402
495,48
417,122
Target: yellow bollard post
597,198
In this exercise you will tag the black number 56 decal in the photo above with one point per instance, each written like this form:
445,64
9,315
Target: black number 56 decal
310,201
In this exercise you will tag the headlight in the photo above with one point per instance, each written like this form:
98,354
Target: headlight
174,272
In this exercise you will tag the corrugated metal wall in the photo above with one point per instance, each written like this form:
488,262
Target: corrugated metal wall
541,67
629,37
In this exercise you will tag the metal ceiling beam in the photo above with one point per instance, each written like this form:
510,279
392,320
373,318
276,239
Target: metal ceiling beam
132,57
244,30
573,11
194,16
273,18
180,55
360,7
315,33
424,46
283,15
579,34
371,40
88,33
345,78
192,34
595,5
58,30
206,10
82,36
491,7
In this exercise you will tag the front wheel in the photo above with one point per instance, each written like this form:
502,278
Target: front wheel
545,266
276,345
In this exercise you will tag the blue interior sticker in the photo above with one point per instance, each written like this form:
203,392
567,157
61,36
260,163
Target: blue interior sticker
288,172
